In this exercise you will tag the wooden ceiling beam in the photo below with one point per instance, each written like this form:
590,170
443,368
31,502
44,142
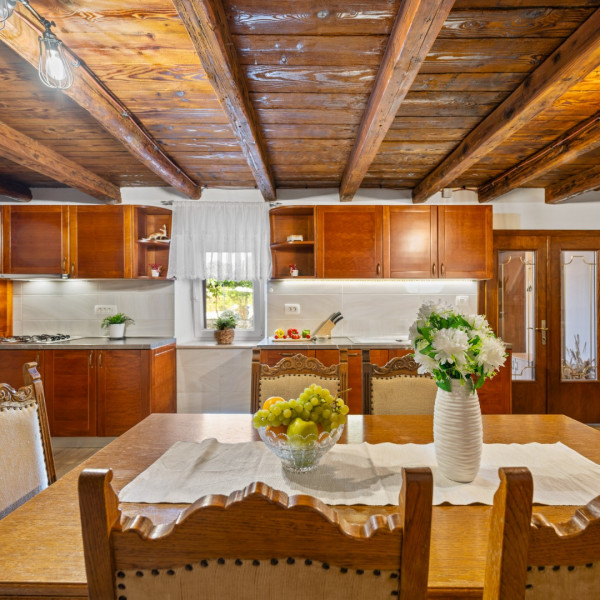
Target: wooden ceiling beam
21,35
416,27
206,23
15,190
567,65
582,138
28,152
584,181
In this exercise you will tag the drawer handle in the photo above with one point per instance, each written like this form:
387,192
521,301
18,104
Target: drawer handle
434,270
378,268
287,354
353,353
72,268
64,264
100,358
442,270
90,359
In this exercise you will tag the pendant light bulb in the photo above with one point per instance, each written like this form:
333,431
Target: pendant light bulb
54,68
7,8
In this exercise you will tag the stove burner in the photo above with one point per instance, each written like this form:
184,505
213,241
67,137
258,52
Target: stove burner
42,338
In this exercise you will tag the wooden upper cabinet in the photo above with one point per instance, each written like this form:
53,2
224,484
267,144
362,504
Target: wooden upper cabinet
349,242
465,241
101,242
410,242
35,239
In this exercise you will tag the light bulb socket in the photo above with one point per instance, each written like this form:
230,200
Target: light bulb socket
54,68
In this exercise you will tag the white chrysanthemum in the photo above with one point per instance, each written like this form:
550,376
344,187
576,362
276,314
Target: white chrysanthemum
427,363
491,354
451,346
477,322
430,307
413,332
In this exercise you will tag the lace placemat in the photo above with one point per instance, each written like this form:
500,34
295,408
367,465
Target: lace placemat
359,473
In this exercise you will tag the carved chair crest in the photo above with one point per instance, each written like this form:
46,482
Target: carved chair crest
299,365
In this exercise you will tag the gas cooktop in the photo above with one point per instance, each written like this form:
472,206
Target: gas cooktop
42,338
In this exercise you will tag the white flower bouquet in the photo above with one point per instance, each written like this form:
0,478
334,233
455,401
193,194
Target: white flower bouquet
450,345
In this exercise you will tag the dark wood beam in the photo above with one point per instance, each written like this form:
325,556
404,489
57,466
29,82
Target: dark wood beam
30,153
206,23
582,138
567,65
585,181
417,25
15,190
21,35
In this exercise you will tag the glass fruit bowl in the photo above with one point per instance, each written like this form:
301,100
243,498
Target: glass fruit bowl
300,453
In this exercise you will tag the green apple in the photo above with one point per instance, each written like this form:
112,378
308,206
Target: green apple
301,432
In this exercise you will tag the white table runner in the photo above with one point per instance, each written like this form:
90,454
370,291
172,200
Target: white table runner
359,473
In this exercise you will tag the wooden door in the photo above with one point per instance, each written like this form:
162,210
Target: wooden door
11,365
465,242
35,239
517,311
410,241
101,242
70,389
163,375
123,390
573,302
350,242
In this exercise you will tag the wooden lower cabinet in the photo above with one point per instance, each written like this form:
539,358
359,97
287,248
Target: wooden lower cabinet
11,365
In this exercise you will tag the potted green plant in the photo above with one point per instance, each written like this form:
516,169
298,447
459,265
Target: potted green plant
116,325
225,327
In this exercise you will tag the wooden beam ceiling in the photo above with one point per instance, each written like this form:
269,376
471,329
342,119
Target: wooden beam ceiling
582,138
31,154
584,181
21,34
15,190
206,23
567,65
415,29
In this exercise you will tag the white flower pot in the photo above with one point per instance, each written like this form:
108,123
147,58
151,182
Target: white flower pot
457,432
155,273
294,272
116,331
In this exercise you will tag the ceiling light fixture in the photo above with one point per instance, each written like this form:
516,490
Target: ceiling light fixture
53,67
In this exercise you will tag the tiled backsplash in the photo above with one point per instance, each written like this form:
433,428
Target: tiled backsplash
370,308
68,306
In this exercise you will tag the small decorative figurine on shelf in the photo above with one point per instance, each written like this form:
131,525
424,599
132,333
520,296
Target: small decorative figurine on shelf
158,236
293,270
156,269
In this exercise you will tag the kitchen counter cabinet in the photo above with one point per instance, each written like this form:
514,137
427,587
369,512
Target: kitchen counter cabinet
11,365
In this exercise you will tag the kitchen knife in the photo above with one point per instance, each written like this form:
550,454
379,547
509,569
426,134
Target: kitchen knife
337,319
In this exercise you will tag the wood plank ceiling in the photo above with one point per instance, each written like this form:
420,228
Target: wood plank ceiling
287,107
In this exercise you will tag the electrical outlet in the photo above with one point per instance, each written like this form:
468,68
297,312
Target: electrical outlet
105,309
292,309
461,300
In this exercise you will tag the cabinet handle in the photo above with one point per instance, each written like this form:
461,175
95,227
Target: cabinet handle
353,353
378,268
37,359
72,268
90,359
100,358
442,270
434,270
287,354
64,264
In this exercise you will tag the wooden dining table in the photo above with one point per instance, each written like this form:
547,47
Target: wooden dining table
41,553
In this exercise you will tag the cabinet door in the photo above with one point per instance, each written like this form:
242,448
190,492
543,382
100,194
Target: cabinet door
123,390
410,242
11,365
465,242
349,242
70,389
35,239
163,375
101,242
272,357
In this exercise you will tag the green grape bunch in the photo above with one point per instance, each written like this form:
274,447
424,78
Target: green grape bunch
315,404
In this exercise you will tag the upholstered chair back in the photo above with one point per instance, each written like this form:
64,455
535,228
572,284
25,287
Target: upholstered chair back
529,557
26,463
256,544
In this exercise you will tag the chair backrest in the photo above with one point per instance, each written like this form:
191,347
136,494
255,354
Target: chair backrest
528,557
292,374
396,388
26,463
256,544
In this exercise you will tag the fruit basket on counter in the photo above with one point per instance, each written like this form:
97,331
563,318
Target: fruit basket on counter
302,430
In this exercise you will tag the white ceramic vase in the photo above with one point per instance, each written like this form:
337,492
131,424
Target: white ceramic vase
457,432
116,331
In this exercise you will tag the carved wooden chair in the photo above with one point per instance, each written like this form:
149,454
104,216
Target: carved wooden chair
396,388
26,462
528,557
256,544
292,374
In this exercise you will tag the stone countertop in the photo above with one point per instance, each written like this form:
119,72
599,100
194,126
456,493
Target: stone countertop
335,343
96,343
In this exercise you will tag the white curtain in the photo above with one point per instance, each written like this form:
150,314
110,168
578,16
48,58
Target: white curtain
220,240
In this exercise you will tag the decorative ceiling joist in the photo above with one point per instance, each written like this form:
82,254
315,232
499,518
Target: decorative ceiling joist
28,152
206,23
567,65
584,181
15,191
416,27
582,138
21,35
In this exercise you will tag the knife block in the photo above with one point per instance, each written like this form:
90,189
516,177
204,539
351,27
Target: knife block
324,329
